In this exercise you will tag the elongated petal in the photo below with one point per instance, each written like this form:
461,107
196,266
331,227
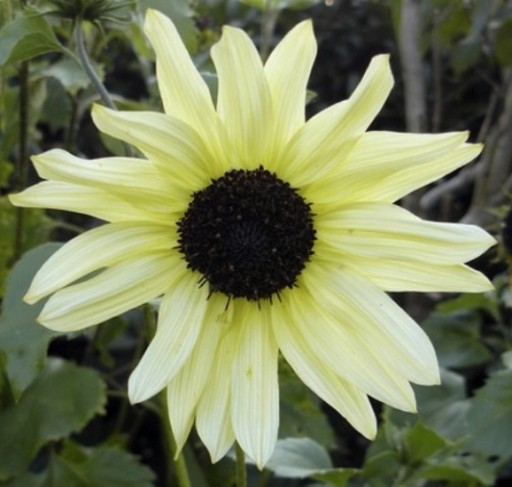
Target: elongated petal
387,231
87,200
384,166
347,399
397,275
186,388
373,318
180,320
114,291
100,247
172,145
244,103
318,147
213,422
133,180
184,93
287,70
254,388
330,337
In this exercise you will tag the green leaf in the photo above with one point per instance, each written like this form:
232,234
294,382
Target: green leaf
71,75
338,477
457,339
25,37
490,416
97,467
59,402
503,43
23,342
421,442
300,411
299,458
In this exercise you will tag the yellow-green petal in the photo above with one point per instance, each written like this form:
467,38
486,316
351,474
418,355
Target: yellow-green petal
244,102
186,388
319,146
87,200
379,230
254,387
287,70
114,291
100,247
180,319
344,397
213,420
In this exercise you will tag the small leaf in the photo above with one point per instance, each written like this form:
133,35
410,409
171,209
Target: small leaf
338,477
490,416
23,341
299,458
25,37
59,402
421,442
97,467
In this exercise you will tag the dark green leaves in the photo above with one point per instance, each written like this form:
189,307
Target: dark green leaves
27,36
60,401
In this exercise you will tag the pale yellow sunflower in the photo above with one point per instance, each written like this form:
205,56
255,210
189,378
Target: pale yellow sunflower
263,233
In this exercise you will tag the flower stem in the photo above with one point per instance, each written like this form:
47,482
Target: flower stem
86,64
180,466
241,473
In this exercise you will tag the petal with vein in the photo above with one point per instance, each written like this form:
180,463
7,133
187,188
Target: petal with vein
287,70
184,93
347,399
344,353
317,148
86,200
112,292
186,388
254,388
384,166
244,103
372,318
173,146
394,275
100,247
385,231
213,417
180,320
130,179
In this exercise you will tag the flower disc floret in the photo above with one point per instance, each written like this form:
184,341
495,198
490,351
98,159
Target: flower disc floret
248,233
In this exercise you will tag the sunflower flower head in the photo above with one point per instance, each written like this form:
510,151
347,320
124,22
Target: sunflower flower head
264,234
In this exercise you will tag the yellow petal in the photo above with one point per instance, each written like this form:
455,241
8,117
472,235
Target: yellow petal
287,70
244,103
100,247
387,231
112,292
180,320
254,388
317,148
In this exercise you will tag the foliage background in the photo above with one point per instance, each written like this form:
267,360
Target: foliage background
64,415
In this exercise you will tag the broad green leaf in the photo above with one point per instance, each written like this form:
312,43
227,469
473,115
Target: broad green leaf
337,477
299,458
59,402
490,416
71,75
23,341
300,411
25,37
457,339
6,169
421,442
97,467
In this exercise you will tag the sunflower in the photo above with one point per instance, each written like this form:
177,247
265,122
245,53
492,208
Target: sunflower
262,233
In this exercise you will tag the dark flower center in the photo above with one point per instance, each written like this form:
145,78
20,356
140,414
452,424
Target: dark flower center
248,233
